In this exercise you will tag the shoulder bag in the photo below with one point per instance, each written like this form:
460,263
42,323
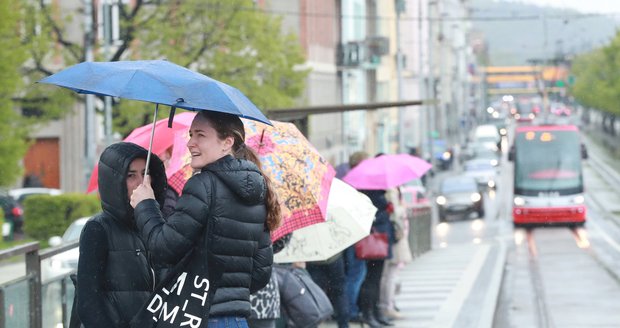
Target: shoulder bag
184,297
373,247
303,302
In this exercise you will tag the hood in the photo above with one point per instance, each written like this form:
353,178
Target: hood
242,177
113,167
377,197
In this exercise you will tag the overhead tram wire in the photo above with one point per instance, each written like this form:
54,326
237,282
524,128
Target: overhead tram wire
562,16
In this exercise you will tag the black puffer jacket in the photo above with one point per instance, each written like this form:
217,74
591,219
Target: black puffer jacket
114,274
238,239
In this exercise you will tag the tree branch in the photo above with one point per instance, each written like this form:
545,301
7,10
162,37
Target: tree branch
205,44
70,46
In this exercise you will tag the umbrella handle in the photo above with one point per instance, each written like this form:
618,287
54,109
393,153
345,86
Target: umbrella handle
148,155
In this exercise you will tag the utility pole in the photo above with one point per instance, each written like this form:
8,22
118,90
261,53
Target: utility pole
423,121
400,7
89,138
107,37
431,88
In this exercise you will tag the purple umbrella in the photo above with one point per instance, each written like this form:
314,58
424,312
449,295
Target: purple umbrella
386,171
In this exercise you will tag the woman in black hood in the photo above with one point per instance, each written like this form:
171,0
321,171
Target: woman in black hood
115,276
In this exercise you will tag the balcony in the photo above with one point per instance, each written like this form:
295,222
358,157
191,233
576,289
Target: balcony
364,54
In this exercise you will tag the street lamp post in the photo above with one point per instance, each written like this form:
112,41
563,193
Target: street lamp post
89,138
431,85
400,7
107,37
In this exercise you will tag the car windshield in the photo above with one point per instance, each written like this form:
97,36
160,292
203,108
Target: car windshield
478,166
73,232
548,160
450,186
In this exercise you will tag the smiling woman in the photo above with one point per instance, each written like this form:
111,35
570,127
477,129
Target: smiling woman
226,211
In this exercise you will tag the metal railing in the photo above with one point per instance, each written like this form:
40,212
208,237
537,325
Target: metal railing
19,311
26,301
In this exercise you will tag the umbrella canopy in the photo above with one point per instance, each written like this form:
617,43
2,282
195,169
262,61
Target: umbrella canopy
300,175
165,139
349,219
386,171
165,135
159,82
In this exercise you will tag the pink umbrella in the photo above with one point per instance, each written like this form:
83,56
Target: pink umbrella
386,171
165,139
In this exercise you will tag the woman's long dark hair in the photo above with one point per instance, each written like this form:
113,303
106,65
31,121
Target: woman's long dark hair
228,125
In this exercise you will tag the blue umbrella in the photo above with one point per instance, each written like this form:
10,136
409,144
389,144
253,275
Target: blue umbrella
159,82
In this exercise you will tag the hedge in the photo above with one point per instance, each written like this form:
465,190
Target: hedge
46,216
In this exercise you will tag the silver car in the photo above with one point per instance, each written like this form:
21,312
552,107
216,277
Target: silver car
66,261
483,171
459,195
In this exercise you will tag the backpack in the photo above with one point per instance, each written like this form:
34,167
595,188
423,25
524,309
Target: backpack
302,301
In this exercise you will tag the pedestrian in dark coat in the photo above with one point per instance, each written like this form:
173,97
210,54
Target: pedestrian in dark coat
115,276
242,212
371,287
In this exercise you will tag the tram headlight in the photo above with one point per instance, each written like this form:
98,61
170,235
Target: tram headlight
578,199
475,197
518,201
441,200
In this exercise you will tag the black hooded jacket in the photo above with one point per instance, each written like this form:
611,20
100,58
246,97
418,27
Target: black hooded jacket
236,239
114,274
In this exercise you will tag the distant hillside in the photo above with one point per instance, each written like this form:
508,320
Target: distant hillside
514,41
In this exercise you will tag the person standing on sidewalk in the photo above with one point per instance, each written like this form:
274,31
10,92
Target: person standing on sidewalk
401,254
231,196
371,286
355,269
114,269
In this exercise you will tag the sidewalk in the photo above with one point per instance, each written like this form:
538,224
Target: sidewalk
455,286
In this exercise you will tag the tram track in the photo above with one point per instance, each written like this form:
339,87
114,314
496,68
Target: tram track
543,319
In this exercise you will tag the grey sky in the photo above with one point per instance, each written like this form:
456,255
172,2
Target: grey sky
586,6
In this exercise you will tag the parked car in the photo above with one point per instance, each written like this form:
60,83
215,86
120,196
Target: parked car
13,205
66,261
13,216
459,195
483,171
20,194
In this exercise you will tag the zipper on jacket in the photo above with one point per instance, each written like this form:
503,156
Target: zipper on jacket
153,277
148,262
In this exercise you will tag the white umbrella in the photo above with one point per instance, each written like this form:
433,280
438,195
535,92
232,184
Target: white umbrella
349,218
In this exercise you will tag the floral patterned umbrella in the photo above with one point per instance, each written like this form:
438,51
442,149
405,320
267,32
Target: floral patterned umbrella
300,175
